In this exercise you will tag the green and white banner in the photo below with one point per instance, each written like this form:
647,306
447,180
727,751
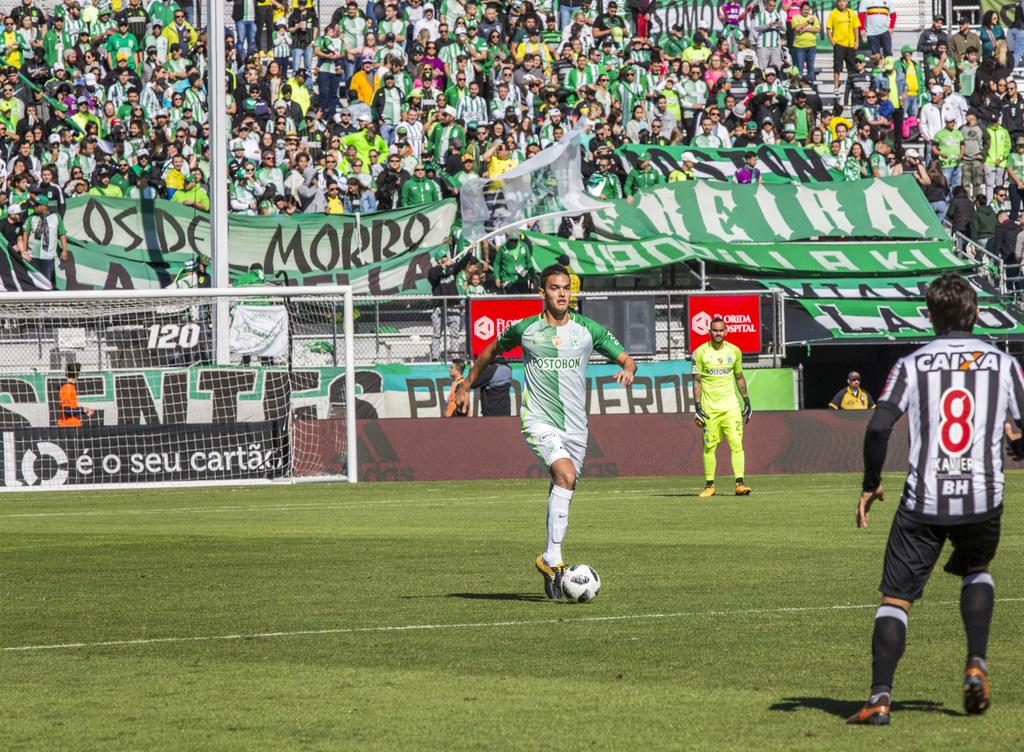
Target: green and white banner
706,211
778,164
597,258
885,288
899,319
123,243
164,396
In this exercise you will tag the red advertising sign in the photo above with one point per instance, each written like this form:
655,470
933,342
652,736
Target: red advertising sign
489,317
741,313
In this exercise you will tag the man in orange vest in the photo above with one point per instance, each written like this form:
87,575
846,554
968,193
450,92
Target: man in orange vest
70,414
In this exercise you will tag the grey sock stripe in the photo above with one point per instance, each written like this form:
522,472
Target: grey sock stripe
886,611
977,578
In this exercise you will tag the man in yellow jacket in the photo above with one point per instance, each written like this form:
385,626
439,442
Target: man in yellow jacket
852,397
181,33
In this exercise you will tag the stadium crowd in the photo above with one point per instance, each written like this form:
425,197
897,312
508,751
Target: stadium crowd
387,104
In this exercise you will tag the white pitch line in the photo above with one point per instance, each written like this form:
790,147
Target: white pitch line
457,625
368,503
266,507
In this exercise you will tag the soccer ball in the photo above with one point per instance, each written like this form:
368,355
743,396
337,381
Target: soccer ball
581,583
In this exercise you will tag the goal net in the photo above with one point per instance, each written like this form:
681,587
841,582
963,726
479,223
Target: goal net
200,386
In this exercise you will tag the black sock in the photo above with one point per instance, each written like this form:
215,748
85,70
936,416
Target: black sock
887,644
977,600
739,481
708,483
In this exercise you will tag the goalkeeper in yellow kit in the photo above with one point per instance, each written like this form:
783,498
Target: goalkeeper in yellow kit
717,374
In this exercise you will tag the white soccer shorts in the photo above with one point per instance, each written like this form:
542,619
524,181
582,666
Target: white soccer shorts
551,444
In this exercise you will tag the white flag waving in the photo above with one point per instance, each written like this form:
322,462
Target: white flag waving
259,330
547,183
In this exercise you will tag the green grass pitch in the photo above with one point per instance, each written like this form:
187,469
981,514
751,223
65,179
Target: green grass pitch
409,616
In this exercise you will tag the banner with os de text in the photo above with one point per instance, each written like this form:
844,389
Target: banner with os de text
122,243
707,211
592,258
778,164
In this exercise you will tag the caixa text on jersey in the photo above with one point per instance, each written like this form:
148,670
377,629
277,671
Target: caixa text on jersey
957,361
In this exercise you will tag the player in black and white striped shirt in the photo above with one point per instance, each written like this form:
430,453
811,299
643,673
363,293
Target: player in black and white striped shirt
956,392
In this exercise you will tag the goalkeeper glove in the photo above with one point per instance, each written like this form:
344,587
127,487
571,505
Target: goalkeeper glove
746,409
701,415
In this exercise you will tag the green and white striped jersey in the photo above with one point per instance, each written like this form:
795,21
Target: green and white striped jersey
555,363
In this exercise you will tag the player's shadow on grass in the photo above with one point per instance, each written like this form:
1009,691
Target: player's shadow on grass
531,597
846,708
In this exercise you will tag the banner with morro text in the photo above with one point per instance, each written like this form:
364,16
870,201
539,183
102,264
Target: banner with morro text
598,258
778,164
122,243
706,211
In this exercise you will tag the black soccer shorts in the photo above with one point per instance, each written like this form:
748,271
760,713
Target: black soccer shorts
914,547
843,56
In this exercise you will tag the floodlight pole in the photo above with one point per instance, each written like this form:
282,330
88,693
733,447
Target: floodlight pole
219,122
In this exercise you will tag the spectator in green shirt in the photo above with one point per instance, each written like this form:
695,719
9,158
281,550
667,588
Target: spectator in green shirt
644,175
193,194
948,148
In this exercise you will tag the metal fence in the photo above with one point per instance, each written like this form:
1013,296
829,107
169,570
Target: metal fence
1003,276
410,329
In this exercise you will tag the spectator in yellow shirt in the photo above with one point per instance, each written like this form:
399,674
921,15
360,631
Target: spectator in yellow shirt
174,178
532,45
842,27
334,202
806,27
365,82
498,160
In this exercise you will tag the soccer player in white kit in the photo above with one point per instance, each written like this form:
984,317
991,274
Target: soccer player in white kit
557,345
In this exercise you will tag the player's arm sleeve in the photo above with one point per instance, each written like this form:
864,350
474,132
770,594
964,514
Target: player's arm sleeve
892,403
876,443
737,364
512,337
1015,404
836,402
604,341
485,376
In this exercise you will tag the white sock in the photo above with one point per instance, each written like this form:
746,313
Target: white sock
558,523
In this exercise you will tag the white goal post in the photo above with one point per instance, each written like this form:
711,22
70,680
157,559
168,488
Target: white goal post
119,389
